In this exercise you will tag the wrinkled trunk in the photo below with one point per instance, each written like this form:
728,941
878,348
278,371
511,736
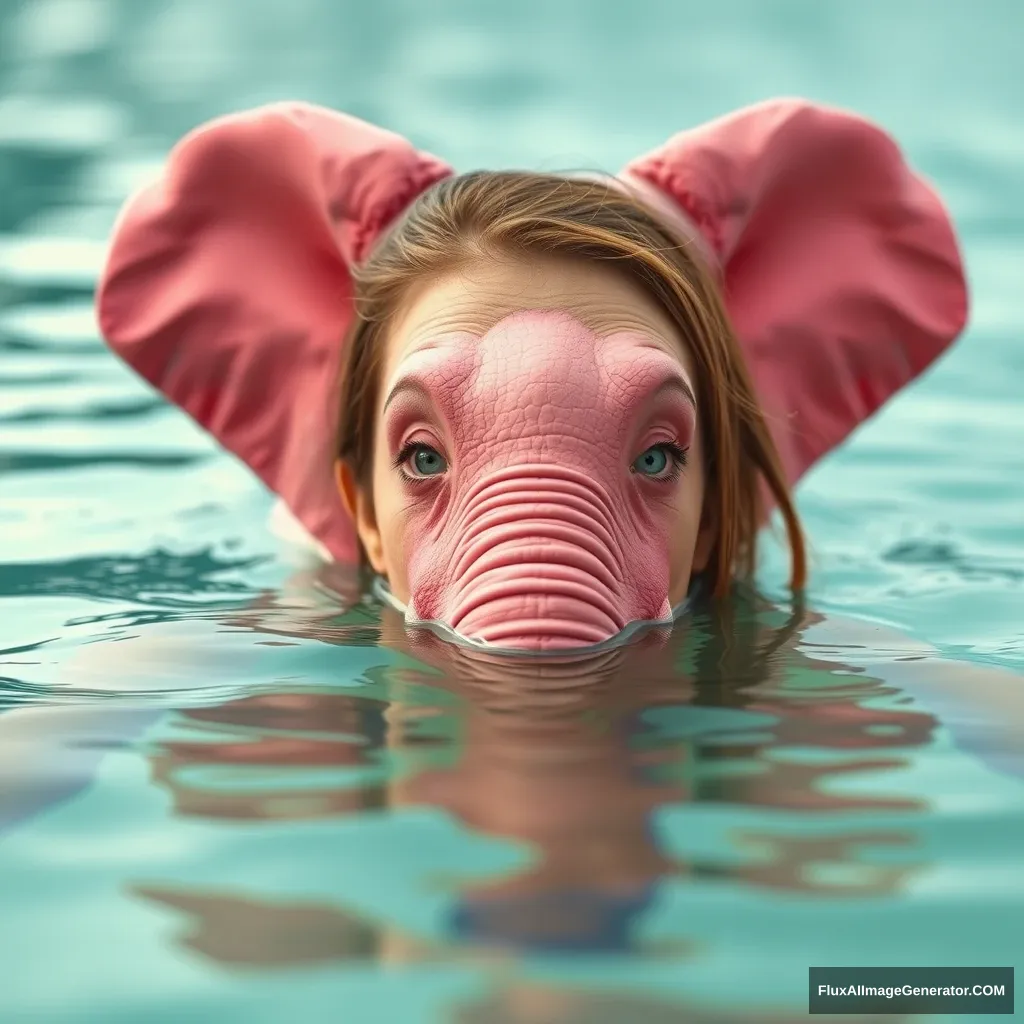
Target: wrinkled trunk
541,563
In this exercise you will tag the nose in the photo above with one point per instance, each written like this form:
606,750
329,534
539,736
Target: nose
540,562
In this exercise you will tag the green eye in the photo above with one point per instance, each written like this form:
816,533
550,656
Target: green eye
652,462
427,462
661,461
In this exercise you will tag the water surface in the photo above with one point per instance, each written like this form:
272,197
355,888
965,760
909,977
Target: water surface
232,789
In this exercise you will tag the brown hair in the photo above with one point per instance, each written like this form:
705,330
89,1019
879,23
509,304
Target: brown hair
464,219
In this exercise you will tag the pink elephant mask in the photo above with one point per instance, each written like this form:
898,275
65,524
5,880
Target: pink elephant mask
228,288
538,535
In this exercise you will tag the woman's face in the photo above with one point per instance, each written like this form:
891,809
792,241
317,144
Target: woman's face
538,471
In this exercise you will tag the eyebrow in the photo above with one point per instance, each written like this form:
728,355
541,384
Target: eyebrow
411,385
406,385
676,383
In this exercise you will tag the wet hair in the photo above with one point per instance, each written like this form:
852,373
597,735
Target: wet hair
484,215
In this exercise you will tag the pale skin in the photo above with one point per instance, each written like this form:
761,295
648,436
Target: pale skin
442,317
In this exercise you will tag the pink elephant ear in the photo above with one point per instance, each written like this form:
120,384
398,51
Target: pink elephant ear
227,285
840,266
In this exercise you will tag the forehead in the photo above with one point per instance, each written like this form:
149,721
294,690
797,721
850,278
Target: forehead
503,303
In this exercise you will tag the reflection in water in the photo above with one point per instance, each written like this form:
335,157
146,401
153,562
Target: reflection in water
245,933
591,763
330,742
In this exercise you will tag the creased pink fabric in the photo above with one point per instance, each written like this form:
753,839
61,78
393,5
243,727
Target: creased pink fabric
842,274
227,283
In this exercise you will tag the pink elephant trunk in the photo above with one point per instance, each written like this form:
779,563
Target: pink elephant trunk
538,564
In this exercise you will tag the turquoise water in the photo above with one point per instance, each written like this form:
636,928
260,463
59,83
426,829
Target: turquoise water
232,790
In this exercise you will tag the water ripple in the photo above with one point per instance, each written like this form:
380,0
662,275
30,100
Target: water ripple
34,462
944,557
152,578
90,414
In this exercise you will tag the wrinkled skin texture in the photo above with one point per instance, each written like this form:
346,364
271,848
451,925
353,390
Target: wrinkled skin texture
542,510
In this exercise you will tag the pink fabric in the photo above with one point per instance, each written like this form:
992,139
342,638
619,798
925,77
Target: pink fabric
227,285
842,274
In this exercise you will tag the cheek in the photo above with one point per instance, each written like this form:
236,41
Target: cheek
390,503
688,512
